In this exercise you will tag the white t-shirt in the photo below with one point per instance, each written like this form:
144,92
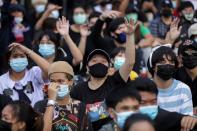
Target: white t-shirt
32,80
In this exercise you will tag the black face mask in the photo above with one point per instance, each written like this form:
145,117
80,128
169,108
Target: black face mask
165,72
190,62
98,70
121,38
5,126
166,13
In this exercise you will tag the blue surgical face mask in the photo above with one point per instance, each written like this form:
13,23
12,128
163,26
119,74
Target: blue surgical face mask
151,111
121,38
62,91
55,14
39,8
18,64
46,50
122,117
79,18
119,61
18,20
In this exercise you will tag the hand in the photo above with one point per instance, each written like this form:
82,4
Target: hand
175,32
130,26
84,31
195,110
63,26
52,91
188,123
110,14
52,7
20,46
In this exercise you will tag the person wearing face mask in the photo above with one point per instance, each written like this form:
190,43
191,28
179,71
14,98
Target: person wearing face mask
188,72
163,119
187,15
121,104
173,95
160,25
99,86
21,83
61,112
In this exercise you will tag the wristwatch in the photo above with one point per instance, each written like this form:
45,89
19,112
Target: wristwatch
51,103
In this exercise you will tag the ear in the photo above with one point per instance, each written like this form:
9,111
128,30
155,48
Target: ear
112,113
21,125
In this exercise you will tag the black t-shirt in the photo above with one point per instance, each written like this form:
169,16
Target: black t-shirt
67,117
168,121
94,99
183,76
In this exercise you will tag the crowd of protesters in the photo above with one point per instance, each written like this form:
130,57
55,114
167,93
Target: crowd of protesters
98,65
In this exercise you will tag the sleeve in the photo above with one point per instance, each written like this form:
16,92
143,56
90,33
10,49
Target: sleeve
144,30
153,28
37,74
187,106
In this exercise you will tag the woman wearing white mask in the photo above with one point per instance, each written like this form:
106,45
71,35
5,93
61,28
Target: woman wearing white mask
21,83
63,112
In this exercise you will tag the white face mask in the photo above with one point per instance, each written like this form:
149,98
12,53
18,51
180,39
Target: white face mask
195,39
39,8
150,16
188,16
18,20
174,4
55,14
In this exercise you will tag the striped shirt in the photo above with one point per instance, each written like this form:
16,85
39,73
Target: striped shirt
176,98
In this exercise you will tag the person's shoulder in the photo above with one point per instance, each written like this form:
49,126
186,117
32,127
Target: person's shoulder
4,76
81,84
181,84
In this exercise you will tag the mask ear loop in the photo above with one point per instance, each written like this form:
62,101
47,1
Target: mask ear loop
154,49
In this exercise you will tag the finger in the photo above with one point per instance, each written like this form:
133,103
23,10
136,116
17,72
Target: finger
180,28
194,122
58,25
126,21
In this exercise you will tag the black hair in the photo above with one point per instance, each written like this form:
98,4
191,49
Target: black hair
49,24
113,25
120,94
184,5
94,14
80,5
157,57
4,100
25,113
116,51
144,84
131,120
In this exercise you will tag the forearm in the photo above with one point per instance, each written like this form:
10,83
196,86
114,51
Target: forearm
48,118
130,50
76,53
82,44
42,19
123,6
41,62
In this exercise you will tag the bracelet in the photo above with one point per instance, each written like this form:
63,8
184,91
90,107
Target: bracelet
51,103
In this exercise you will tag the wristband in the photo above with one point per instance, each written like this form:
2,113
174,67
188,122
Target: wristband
51,103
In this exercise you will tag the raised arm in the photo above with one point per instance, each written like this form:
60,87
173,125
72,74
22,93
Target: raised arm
63,28
123,6
41,62
127,67
45,15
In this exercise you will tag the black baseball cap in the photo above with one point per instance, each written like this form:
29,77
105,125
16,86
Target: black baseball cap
166,3
98,52
188,44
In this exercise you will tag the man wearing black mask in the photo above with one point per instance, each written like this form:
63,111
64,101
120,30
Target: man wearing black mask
160,25
174,95
188,73
94,91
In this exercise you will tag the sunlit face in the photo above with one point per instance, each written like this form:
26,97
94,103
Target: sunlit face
78,10
148,98
121,28
17,53
98,59
188,10
8,116
46,40
60,78
141,126
128,104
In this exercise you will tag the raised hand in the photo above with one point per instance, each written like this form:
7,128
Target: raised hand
110,14
130,26
175,31
20,46
52,7
62,26
84,30
52,91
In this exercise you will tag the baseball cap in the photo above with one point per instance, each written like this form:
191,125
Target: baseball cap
61,67
188,44
192,30
98,52
166,3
